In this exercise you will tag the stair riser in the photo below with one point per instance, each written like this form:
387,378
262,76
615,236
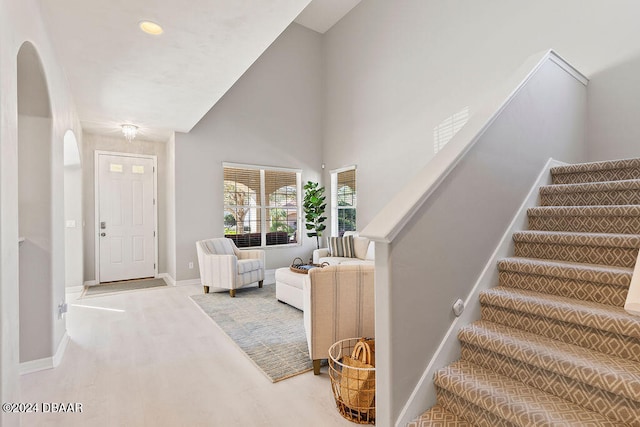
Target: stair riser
602,341
468,411
596,176
612,406
578,289
619,257
595,198
587,224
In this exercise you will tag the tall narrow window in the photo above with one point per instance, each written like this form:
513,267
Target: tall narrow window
261,205
343,200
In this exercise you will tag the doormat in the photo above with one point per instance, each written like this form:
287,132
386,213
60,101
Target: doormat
269,332
126,285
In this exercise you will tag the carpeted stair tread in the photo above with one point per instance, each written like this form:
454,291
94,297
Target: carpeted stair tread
620,276
592,248
586,313
596,166
615,170
591,187
578,239
468,411
623,219
609,373
610,405
586,211
438,416
511,400
625,192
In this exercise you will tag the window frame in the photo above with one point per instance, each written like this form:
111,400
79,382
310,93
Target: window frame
264,198
335,232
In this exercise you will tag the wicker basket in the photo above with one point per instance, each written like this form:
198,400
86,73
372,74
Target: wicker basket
353,382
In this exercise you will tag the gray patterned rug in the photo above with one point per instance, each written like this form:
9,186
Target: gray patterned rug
269,332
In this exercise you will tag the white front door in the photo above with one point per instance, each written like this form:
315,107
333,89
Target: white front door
126,217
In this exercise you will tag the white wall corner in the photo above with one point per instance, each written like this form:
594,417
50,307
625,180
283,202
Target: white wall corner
167,278
62,347
423,395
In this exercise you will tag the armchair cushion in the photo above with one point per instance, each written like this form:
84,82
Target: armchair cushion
247,265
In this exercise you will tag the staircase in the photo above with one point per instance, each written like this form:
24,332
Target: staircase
554,347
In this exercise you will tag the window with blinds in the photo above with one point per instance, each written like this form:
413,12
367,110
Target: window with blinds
261,205
343,197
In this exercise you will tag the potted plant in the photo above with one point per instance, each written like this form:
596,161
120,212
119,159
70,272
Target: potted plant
314,207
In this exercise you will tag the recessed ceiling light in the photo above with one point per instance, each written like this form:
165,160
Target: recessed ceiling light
151,28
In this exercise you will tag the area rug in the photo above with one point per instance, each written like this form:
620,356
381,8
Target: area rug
127,285
269,332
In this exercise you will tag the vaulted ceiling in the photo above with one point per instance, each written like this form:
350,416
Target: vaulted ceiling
166,83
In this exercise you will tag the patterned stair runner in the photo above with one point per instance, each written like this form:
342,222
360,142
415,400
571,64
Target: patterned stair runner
554,347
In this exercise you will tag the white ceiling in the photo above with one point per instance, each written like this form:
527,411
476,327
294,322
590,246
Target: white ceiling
166,83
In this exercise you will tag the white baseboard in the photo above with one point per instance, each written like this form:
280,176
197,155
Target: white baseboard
424,394
167,278
46,362
62,347
36,365
188,282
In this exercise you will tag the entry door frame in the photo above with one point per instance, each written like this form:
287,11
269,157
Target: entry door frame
96,199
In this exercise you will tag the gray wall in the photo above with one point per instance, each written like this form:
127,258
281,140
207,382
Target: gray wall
93,142
272,116
170,236
73,250
438,257
34,207
395,70
614,108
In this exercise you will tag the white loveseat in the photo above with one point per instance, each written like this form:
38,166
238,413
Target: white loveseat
364,251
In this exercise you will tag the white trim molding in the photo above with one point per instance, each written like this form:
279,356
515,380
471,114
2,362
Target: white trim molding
46,362
167,278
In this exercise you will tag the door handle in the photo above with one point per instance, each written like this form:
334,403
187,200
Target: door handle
103,234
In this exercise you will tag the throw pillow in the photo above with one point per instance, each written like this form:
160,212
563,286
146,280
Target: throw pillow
341,246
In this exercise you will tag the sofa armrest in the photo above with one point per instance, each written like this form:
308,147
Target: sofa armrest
338,304
320,253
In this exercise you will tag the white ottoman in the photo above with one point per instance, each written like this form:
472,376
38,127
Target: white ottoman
289,287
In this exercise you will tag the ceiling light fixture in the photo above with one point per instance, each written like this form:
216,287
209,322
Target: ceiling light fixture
151,28
129,131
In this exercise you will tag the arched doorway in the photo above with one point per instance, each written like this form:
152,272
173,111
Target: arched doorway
34,208
73,248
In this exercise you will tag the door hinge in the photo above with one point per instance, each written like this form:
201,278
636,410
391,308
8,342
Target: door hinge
154,201
154,233
154,168
154,266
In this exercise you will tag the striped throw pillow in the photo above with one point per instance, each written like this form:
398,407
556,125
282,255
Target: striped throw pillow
341,246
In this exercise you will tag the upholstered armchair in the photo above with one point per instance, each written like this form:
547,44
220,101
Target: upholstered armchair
338,304
224,267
